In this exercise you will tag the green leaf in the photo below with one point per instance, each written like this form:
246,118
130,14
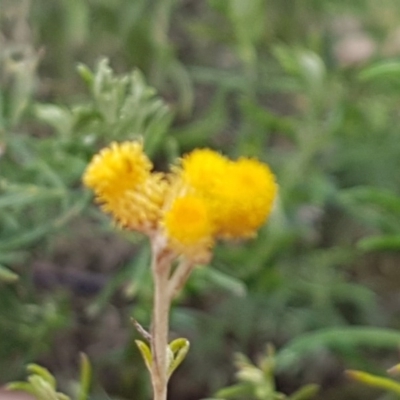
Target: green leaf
126,106
202,129
25,195
58,117
306,392
304,64
21,386
238,390
41,384
380,243
43,373
146,353
85,378
336,338
43,389
207,276
367,195
77,16
86,74
179,348
7,276
375,381
26,238
30,236
381,70
13,257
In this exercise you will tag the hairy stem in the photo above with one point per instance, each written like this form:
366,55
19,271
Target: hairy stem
179,278
160,324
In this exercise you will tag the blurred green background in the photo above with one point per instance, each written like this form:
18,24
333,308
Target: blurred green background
311,87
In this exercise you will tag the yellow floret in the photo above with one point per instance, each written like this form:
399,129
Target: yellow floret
117,168
139,209
121,180
243,201
239,194
187,225
204,169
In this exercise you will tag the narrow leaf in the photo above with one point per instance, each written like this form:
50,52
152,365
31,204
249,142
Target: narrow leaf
44,373
21,386
304,393
381,70
7,276
379,243
336,338
179,348
374,381
238,390
86,74
85,377
146,353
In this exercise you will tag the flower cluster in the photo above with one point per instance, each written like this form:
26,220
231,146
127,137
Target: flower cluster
204,198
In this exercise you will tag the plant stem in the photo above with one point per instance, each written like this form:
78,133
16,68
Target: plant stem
179,278
161,266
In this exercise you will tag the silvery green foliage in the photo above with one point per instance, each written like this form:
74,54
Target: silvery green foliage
257,381
43,386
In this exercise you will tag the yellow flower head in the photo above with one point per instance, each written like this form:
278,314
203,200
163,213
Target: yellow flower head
188,226
121,179
243,201
239,194
116,169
